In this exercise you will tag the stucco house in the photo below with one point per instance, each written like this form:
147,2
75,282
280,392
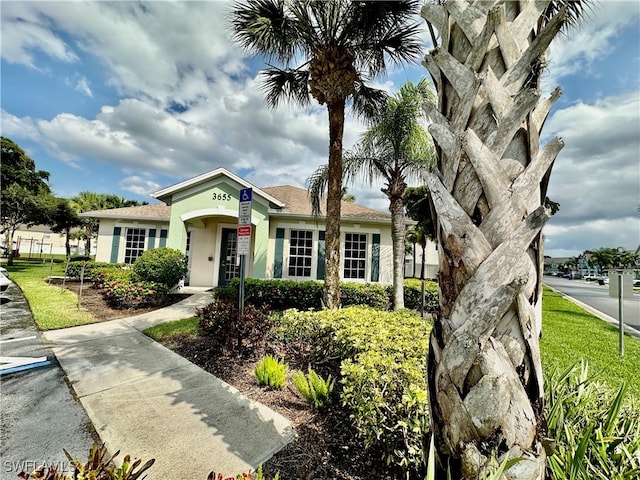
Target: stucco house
200,217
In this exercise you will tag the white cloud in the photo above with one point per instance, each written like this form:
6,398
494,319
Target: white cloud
25,30
596,177
139,185
576,49
82,86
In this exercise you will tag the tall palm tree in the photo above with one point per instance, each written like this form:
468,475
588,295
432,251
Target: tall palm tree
328,51
489,188
395,148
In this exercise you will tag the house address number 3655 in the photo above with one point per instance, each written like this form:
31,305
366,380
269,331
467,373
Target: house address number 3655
221,196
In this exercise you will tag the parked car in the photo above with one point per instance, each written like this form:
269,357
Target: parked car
603,281
636,283
589,277
4,282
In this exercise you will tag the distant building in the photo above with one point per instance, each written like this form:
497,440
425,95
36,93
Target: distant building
39,241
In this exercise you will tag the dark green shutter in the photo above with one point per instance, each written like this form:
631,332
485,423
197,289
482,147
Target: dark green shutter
321,250
163,238
152,239
115,244
277,263
375,257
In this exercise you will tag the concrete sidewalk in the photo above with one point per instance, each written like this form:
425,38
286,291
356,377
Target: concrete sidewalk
147,401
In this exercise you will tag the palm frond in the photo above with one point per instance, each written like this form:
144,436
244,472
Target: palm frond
264,27
574,11
317,186
368,102
289,84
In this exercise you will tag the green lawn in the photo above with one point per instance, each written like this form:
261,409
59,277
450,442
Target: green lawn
570,334
176,327
53,307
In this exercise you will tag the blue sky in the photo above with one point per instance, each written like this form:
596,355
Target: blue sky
129,97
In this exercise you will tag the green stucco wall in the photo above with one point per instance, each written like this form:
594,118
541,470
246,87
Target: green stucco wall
219,200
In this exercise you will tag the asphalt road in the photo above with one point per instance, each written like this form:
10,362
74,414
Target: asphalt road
39,415
597,296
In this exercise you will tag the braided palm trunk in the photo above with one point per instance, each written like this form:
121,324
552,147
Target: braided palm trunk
488,190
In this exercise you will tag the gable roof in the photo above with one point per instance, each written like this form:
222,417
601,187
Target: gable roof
142,212
166,194
285,200
297,202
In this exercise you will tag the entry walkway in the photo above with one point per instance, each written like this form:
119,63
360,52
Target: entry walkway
145,400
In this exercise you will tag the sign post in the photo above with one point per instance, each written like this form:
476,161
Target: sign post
244,237
621,286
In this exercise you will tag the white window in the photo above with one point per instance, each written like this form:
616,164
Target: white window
355,255
134,246
300,253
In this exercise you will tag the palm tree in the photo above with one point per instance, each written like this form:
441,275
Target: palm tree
419,236
411,238
489,190
395,148
86,202
339,45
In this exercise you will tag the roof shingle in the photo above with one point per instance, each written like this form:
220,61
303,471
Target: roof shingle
296,202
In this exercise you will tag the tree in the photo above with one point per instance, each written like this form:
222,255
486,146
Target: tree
484,368
417,204
24,193
394,148
86,202
89,201
62,218
613,258
340,46
18,168
411,238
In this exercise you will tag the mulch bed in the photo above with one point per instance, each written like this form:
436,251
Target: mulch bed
93,301
326,446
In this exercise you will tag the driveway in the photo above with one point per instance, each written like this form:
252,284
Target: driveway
39,415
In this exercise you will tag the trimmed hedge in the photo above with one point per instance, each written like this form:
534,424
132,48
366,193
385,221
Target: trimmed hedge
413,294
75,268
381,356
306,295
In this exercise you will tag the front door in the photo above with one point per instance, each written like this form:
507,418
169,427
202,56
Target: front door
229,267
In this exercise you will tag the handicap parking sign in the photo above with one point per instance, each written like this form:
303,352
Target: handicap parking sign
245,194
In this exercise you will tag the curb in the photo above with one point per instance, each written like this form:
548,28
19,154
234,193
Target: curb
602,316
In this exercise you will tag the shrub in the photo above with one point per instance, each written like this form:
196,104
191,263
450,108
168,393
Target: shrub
122,291
371,294
99,465
413,295
242,476
302,295
596,433
221,319
275,294
271,372
101,274
382,357
313,388
161,265
75,268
